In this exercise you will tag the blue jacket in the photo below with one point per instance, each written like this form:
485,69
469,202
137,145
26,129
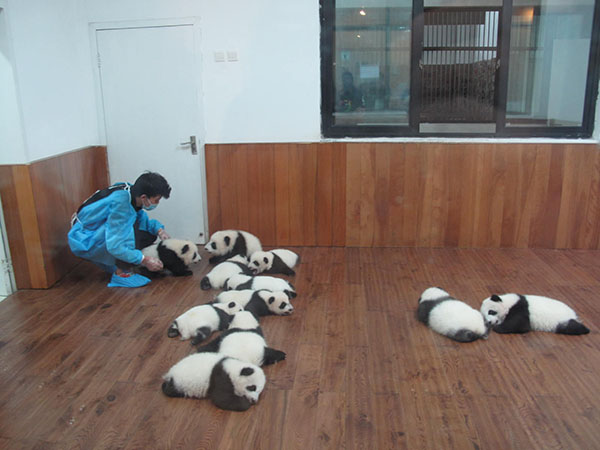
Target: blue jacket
103,232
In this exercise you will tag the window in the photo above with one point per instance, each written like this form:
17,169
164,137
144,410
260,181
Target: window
459,67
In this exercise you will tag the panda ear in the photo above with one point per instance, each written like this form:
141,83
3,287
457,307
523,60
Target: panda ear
265,260
495,298
271,300
227,240
247,371
231,304
185,249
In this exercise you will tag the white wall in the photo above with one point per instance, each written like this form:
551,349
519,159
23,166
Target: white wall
53,69
272,93
12,146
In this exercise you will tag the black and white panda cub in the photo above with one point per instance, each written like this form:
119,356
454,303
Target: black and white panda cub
201,321
175,254
245,341
516,313
279,260
227,243
215,279
260,303
240,281
450,317
230,383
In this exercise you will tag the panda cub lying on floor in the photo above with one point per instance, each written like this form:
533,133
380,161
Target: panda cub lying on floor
450,317
279,260
175,254
516,313
215,279
240,281
230,383
260,303
227,243
245,341
201,321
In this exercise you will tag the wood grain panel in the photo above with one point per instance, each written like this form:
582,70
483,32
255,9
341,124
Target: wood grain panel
38,200
376,194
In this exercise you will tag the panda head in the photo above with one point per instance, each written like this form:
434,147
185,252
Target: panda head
221,242
244,320
260,261
187,251
231,307
248,379
433,293
277,302
496,307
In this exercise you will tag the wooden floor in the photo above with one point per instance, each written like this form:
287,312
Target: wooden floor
81,364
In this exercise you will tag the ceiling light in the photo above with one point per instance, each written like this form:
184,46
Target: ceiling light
362,12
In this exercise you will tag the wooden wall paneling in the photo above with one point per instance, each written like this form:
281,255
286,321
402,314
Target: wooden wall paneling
338,220
267,194
281,159
309,183
239,173
414,188
381,197
53,216
324,195
297,195
439,177
250,193
455,159
229,199
483,199
368,157
396,194
353,192
592,216
213,194
466,212
15,229
539,191
524,195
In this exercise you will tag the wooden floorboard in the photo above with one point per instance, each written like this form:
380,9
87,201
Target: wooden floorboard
81,363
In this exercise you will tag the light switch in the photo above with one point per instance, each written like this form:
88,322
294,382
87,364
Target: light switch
232,55
220,56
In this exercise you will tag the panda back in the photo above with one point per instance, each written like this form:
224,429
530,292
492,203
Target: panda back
287,256
545,314
450,316
270,283
242,297
252,243
221,272
196,317
151,251
247,346
191,375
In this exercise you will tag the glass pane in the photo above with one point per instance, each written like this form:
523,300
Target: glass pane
372,62
549,53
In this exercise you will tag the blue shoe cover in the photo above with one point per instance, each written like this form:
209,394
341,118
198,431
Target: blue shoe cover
133,280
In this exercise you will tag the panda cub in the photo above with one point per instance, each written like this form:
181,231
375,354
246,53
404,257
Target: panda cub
240,281
450,317
516,313
227,243
230,383
279,260
215,279
260,303
201,321
175,254
245,341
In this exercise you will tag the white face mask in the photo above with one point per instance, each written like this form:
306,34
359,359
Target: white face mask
149,207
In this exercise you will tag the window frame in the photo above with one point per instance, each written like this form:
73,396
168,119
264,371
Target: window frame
328,94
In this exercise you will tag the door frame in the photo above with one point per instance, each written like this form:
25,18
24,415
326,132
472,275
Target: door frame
194,22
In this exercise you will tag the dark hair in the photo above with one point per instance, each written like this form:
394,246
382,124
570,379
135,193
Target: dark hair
151,184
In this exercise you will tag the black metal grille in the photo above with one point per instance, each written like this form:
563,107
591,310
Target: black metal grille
458,67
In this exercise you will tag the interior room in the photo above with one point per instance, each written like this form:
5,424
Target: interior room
374,149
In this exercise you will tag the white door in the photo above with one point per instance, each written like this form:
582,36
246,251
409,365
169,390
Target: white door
7,281
149,80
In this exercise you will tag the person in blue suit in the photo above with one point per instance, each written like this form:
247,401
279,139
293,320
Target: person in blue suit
111,227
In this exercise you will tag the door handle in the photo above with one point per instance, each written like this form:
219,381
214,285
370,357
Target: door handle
192,144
